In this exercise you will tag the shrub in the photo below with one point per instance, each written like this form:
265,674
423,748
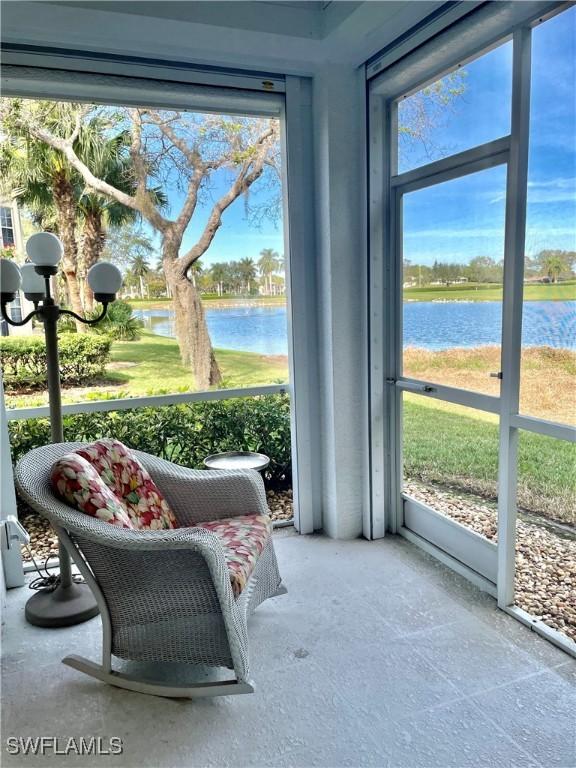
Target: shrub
82,358
185,434
120,324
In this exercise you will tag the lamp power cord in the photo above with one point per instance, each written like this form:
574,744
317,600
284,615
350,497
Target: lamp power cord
45,579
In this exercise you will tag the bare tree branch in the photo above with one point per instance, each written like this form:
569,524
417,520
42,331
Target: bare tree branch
189,205
65,146
189,153
250,170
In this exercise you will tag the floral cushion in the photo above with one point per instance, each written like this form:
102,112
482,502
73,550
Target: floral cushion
244,537
105,480
130,483
77,482
125,480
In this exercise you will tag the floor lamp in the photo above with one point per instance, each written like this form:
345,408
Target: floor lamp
69,602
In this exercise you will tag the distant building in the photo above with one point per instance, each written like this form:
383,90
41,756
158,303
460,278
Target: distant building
12,241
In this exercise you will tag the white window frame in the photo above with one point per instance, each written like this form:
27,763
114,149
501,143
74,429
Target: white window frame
288,99
11,226
487,27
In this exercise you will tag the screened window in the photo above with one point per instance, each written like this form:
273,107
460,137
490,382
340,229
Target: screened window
466,107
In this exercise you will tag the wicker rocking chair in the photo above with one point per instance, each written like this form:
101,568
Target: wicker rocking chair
166,595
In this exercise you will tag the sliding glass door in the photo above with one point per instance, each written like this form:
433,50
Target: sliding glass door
473,311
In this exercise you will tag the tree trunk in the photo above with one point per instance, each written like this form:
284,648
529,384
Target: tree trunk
191,329
92,244
66,208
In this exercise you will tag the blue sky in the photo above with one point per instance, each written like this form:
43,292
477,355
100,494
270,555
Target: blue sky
237,238
459,220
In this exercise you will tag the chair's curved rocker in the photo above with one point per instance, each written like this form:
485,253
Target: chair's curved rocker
164,596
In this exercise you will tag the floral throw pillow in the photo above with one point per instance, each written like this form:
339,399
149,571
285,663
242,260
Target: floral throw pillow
77,482
130,483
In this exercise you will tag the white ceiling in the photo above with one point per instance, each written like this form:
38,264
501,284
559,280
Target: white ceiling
298,19
286,37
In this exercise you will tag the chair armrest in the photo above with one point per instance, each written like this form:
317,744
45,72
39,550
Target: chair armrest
196,495
192,539
171,583
159,554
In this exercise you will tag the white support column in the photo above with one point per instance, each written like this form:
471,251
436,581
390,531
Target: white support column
302,294
340,163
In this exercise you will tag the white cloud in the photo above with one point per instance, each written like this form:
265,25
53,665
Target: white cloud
445,233
478,233
560,190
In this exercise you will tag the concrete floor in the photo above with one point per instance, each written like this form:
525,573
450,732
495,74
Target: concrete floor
378,656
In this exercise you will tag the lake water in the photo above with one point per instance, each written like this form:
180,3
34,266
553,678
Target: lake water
246,329
427,324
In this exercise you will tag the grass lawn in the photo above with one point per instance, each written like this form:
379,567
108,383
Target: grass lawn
565,291
151,366
547,376
445,445
163,303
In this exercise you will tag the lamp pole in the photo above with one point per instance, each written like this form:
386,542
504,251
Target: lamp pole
68,602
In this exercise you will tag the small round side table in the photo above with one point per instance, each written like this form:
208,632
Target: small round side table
237,460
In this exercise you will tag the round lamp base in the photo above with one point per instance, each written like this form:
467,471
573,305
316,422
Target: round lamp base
61,607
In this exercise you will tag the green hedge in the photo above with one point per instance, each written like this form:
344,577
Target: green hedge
82,358
185,434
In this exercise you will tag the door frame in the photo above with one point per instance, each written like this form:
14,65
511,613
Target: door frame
474,35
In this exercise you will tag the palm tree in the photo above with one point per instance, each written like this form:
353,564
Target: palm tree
267,265
40,177
58,198
196,271
553,265
159,269
192,146
139,268
219,274
110,157
247,271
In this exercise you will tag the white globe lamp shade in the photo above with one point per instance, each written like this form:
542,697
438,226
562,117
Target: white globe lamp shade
44,249
10,279
32,283
105,279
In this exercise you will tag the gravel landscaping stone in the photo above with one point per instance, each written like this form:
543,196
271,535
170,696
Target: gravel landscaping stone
280,503
545,559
